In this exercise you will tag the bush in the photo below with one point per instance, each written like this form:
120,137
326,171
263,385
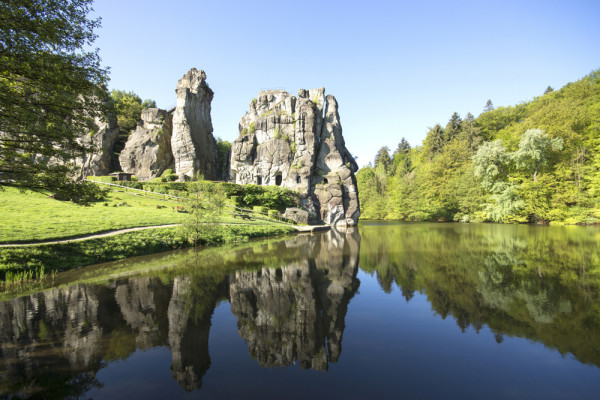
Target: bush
273,213
271,197
108,179
168,176
260,209
235,200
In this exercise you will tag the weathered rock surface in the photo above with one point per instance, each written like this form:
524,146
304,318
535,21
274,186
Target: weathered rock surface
296,214
297,142
193,144
147,153
103,141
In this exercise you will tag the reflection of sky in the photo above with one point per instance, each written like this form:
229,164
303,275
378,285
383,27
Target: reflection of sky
391,348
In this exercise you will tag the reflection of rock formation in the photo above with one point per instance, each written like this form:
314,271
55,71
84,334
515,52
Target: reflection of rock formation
188,337
141,302
295,311
54,332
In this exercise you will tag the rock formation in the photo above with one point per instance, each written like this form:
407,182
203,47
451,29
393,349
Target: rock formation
147,153
193,144
103,140
296,142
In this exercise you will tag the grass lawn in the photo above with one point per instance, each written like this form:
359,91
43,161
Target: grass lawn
32,217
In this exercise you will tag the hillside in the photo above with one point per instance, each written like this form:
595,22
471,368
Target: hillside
538,161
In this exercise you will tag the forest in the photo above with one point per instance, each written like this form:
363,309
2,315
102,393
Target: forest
537,162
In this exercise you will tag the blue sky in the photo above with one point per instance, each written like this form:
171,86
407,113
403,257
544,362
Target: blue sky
395,67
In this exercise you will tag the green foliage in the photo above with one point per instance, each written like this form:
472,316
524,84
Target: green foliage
270,197
128,107
53,88
223,154
537,161
108,179
540,284
168,176
203,210
252,127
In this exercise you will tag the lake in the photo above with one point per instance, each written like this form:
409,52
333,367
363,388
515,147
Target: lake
389,310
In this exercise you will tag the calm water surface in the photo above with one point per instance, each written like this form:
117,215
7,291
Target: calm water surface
387,311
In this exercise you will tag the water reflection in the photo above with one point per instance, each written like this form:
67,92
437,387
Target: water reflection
53,343
290,300
540,283
297,312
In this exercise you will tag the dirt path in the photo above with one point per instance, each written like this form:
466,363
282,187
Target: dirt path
87,237
309,228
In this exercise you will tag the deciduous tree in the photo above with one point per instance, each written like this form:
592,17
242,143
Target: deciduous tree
51,90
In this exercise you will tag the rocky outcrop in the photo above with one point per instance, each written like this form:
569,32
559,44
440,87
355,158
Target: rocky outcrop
102,140
147,153
297,142
194,147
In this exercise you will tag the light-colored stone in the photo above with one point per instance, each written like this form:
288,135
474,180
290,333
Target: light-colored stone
147,153
193,144
103,140
297,143
296,214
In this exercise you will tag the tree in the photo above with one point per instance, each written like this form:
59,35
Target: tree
534,150
435,140
403,147
549,89
52,88
203,208
383,158
453,127
489,106
491,163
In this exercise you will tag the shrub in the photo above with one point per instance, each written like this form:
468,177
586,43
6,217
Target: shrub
273,213
235,200
108,179
260,209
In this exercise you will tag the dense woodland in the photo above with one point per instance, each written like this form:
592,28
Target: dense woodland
538,161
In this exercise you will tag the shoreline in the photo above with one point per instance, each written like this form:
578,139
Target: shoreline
31,262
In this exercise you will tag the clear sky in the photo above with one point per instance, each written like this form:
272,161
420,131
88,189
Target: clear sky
395,67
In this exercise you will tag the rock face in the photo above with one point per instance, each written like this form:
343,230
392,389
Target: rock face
194,147
147,153
297,142
103,140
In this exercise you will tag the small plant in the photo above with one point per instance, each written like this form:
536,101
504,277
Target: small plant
277,132
252,127
293,147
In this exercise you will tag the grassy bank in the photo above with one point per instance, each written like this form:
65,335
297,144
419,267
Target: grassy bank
32,217
19,264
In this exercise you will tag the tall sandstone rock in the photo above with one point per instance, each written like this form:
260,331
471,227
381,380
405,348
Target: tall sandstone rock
147,153
193,144
297,142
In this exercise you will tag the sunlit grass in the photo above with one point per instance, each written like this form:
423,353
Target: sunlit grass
30,217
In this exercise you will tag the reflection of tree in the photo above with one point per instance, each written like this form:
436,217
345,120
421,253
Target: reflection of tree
297,312
535,282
